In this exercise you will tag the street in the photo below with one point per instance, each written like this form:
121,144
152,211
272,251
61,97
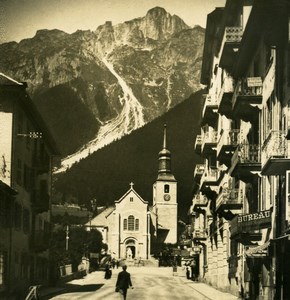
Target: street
148,283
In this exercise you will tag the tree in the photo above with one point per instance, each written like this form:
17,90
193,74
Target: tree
81,242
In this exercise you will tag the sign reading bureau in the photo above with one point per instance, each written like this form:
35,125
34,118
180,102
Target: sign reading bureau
252,221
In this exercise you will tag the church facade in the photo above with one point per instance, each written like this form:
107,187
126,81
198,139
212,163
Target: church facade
130,225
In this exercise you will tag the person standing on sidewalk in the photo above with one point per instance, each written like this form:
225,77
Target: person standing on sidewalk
123,282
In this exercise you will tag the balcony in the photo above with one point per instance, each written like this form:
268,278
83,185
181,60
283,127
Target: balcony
209,113
245,161
209,142
228,142
199,234
230,45
247,96
198,143
229,199
198,171
199,200
209,178
225,97
275,158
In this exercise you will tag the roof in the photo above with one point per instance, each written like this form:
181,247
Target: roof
166,177
128,192
7,189
101,218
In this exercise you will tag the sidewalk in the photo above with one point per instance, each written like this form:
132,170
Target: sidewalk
47,292
207,290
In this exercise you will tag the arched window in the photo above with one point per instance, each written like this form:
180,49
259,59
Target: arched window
137,224
125,224
131,221
166,188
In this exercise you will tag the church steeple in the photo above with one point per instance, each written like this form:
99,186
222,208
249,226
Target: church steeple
164,168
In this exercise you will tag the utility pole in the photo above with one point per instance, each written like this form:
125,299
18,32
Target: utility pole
67,237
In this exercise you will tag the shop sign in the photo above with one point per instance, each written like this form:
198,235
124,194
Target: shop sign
254,81
258,220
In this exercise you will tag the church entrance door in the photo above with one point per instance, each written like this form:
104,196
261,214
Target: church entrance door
130,249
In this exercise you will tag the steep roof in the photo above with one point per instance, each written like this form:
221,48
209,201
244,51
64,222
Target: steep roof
102,218
128,192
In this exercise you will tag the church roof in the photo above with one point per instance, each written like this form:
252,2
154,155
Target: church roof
101,218
166,177
128,192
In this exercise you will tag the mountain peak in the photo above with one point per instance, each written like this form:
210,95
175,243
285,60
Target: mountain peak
156,11
159,24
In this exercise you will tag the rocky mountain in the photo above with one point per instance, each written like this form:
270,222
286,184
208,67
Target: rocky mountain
93,87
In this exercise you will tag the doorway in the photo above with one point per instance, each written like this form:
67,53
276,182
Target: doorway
130,249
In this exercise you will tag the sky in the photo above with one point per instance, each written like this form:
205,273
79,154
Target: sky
20,19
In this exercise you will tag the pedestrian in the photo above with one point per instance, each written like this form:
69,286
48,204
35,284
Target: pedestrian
187,273
123,282
117,263
108,272
113,263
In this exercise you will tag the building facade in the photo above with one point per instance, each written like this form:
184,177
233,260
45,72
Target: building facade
240,209
26,150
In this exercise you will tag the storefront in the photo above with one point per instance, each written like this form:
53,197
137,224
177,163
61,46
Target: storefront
253,232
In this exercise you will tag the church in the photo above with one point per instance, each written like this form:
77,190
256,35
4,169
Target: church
131,226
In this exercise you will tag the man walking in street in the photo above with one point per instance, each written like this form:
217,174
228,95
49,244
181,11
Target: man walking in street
123,282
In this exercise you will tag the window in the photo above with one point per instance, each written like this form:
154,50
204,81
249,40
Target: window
125,224
166,188
131,199
137,224
131,221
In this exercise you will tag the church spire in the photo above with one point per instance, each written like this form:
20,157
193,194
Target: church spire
164,137
164,169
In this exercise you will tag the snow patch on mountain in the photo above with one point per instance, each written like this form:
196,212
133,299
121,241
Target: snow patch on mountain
129,119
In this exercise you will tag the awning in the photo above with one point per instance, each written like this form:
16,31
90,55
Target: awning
258,251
